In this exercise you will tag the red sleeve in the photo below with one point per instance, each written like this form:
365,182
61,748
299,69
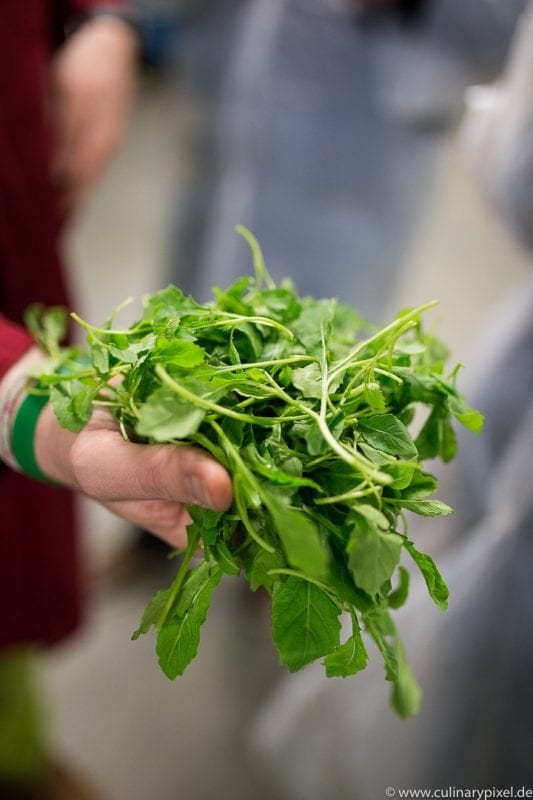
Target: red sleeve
14,341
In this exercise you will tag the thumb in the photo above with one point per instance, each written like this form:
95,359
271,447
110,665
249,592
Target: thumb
109,468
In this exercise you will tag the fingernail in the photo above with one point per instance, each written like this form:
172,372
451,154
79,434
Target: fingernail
198,491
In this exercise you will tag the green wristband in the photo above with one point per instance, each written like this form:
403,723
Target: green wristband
23,435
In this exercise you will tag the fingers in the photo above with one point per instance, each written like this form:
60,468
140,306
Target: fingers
108,468
163,518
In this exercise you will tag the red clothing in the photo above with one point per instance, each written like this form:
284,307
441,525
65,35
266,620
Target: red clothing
39,576
14,341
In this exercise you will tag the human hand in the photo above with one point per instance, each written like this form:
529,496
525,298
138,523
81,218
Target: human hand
147,485
92,86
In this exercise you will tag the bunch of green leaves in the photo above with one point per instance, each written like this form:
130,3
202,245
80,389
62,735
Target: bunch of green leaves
310,409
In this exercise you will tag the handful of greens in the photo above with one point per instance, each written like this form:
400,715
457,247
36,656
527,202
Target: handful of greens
309,408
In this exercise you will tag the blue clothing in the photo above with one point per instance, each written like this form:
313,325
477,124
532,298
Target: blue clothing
320,135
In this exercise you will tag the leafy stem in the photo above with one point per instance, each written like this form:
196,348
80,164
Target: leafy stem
208,405
242,471
192,546
231,320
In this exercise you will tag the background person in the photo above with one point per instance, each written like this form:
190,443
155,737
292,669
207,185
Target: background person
64,108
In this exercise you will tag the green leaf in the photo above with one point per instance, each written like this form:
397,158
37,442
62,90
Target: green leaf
100,358
437,588
341,580
124,355
369,518
48,326
248,341
299,536
373,557
72,405
468,417
448,449
81,405
315,315
376,456
346,326
428,440
166,416
406,693
374,396
421,485
179,637
308,380
397,598
380,627
402,474
232,299
315,441
259,563
180,353
305,622
427,508
168,303
348,658
280,304
207,523
225,559
386,432
152,612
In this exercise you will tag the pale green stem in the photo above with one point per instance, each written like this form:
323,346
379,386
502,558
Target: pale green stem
236,319
353,494
261,272
344,363
275,362
208,405
109,331
192,546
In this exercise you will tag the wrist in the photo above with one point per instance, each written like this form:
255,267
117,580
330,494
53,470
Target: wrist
13,387
31,439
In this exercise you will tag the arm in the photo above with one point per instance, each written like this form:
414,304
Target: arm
92,88
14,341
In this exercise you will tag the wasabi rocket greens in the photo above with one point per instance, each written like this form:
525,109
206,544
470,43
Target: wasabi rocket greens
311,410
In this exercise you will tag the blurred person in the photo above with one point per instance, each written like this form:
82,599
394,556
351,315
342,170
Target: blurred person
337,740
67,77
319,127
146,485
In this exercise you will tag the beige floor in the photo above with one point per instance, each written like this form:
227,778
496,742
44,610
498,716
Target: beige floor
139,736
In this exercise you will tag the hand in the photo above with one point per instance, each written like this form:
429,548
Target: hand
145,484
92,86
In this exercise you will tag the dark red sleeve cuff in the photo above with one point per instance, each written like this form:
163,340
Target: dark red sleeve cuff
14,341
